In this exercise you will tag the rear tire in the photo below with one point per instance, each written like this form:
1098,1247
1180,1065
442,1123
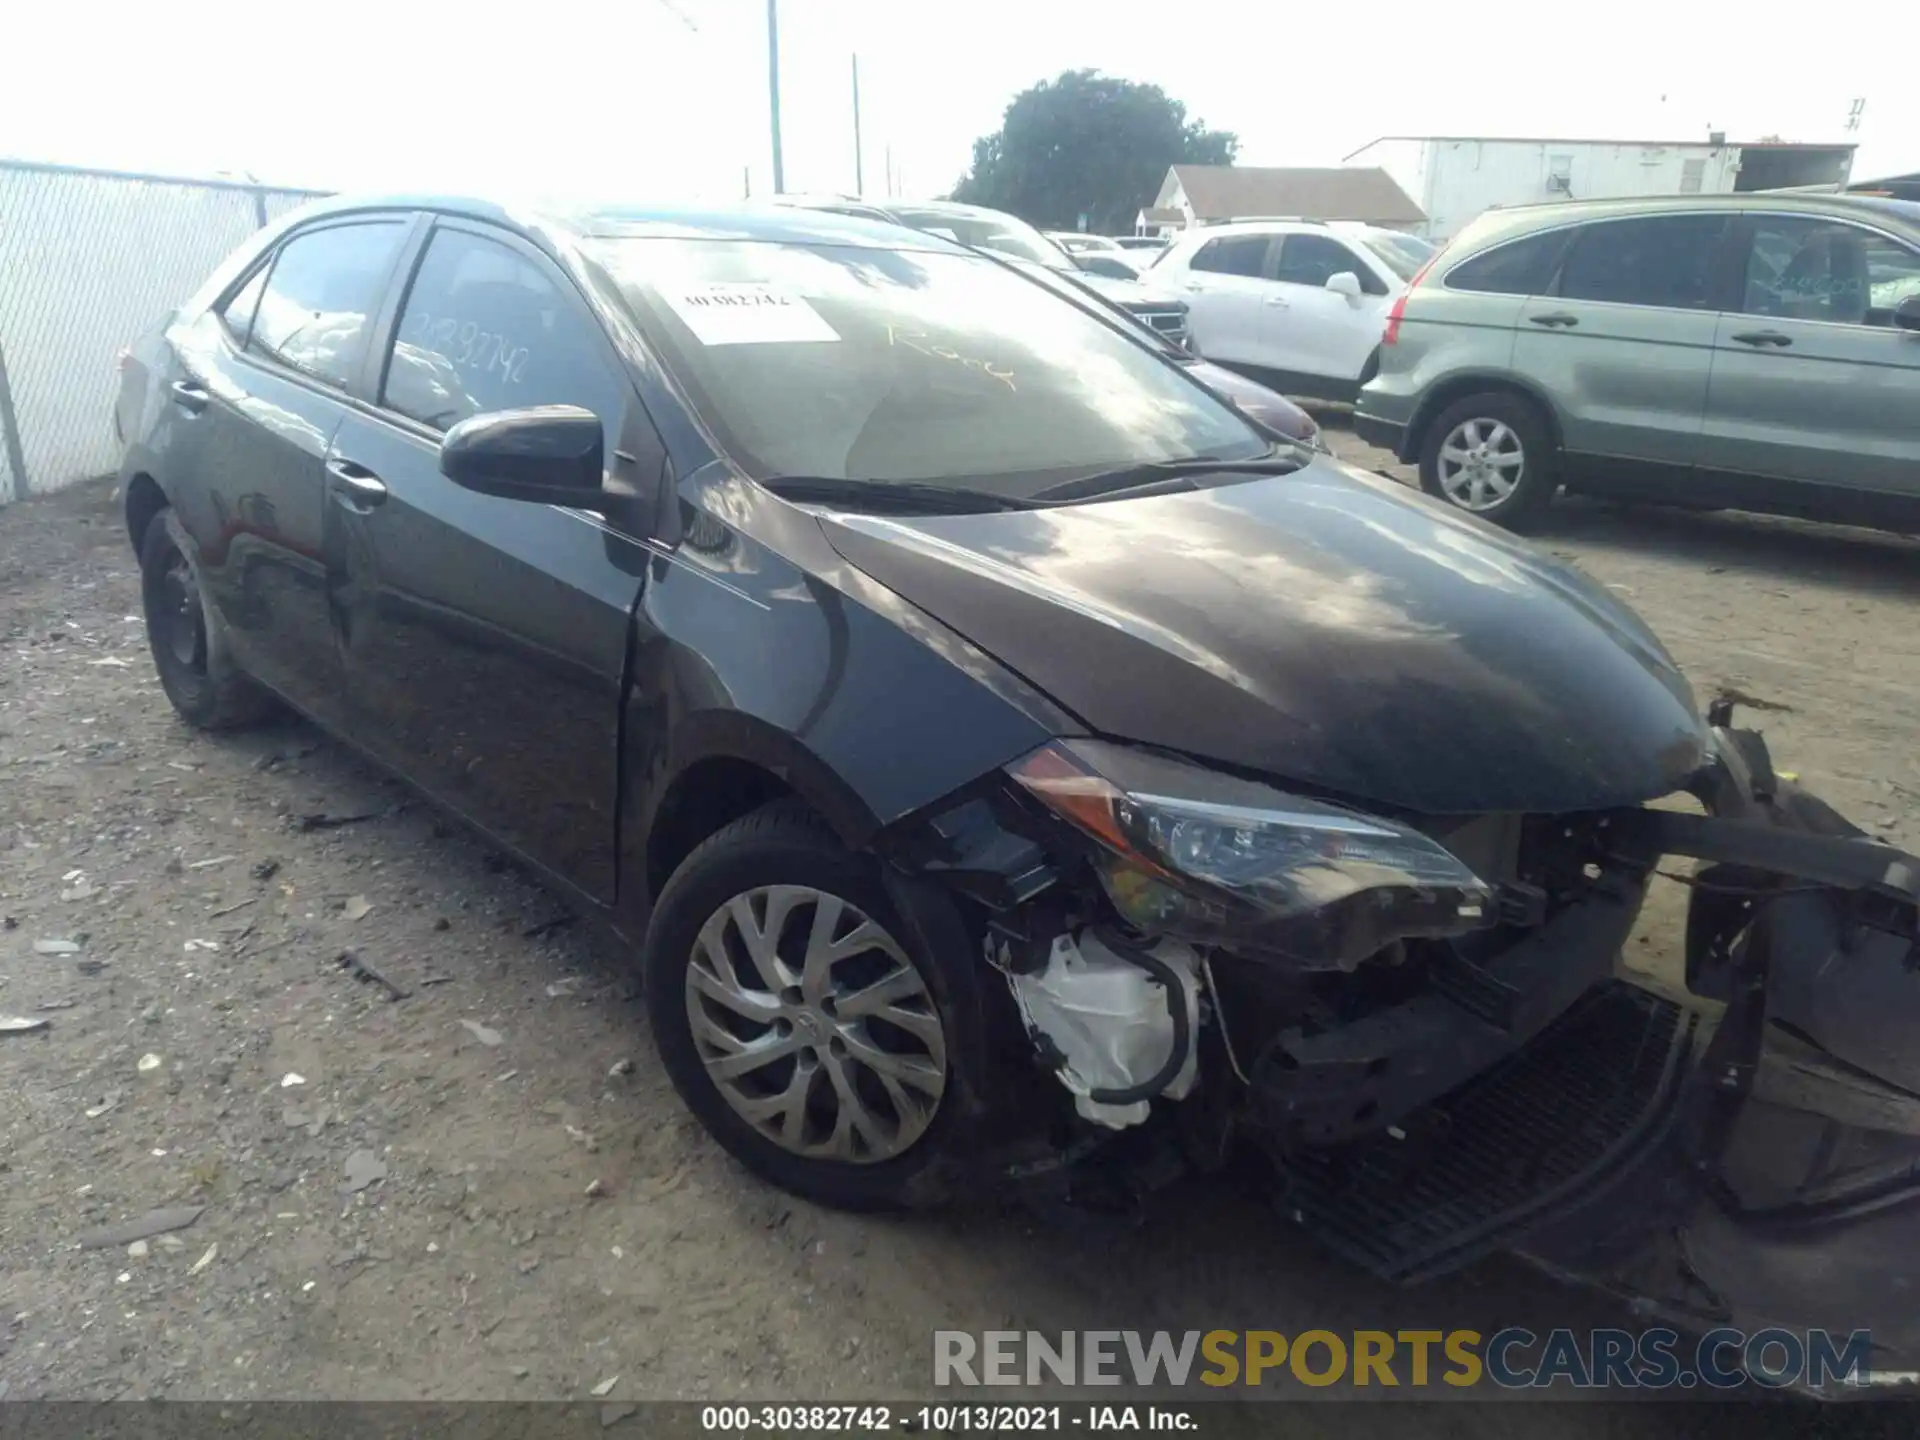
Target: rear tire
866,1097
1491,455
189,648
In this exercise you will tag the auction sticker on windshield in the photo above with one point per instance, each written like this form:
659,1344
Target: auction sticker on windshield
747,314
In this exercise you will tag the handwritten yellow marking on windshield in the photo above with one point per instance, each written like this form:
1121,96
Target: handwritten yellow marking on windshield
921,343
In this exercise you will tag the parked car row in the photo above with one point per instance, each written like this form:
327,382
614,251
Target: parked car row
1009,765
1077,277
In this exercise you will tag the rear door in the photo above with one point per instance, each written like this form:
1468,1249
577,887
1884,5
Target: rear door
1811,380
1623,341
486,639
265,384
1313,330
1225,286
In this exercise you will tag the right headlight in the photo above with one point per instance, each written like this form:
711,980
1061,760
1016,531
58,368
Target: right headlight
1190,852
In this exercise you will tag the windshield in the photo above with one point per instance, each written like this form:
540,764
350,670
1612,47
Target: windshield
988,232
847,362
1401,253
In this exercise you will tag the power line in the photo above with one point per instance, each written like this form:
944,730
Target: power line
680,15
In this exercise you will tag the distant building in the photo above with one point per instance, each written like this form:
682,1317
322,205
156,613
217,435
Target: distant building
1156,221
1213,194
1456,177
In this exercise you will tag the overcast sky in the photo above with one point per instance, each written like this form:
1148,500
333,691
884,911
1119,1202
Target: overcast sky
574,99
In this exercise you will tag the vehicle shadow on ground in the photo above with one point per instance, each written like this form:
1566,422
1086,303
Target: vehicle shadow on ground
1838,557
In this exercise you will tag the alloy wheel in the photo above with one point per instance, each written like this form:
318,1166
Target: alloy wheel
178,615
1481,464
814,1025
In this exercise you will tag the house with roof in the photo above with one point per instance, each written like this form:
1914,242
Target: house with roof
1212,194
1457,177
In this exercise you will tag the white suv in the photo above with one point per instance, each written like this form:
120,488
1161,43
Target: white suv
1299,303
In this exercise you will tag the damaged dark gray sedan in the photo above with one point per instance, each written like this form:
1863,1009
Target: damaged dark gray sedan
1010,765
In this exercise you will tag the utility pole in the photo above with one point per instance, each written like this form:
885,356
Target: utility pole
773,91
889,172
859,174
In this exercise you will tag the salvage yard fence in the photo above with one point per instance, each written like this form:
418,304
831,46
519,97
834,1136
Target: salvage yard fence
90,260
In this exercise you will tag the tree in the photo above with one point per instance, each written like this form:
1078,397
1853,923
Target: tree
1087,144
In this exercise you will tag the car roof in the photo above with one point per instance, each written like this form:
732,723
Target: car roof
1230,228
778,223
1514,220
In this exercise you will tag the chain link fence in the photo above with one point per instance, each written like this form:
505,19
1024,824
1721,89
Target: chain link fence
90,260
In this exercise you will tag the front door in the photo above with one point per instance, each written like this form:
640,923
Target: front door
1226,291
486,639
1624,341
268,372
1812,381
1312,330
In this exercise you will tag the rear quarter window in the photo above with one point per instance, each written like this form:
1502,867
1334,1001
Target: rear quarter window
1666,262
1518,267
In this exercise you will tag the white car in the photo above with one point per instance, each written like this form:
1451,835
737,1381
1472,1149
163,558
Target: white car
1078,242
1300,304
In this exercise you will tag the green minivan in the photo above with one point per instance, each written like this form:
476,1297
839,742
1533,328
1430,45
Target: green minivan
1753,352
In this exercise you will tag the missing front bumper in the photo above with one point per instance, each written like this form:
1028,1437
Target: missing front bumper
1754,1168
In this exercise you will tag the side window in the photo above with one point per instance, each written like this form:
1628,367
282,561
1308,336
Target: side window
1314,259
485,328
1233,255
1520,267
1660,260
237,313
320,297
1799,268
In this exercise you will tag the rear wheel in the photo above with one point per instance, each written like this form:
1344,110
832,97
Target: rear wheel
1490,454
189,650
800,1023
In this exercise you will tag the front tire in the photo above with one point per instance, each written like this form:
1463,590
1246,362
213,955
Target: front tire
800,1022
1491,455
196,670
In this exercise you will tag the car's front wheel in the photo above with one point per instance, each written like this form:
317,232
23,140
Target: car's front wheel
1490,454
189,650
801,1023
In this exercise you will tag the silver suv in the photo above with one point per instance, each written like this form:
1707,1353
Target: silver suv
1754,352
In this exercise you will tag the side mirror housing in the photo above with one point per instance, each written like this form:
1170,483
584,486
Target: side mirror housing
1345,283
1906,315
550,455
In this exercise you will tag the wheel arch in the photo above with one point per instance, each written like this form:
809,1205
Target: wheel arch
722,766
143,500
1473,382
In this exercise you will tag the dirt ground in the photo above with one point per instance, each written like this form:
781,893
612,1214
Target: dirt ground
486,1189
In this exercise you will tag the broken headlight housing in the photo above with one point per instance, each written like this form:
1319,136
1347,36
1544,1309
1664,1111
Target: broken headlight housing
1213,859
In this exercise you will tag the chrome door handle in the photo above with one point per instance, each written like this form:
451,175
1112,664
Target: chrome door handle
1555,321
1278,302
356,484
1764,337
189,395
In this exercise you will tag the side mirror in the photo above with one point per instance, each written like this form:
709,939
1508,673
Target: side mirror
1906,315
551,455
1345,283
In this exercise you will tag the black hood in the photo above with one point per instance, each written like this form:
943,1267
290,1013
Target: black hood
1327,627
